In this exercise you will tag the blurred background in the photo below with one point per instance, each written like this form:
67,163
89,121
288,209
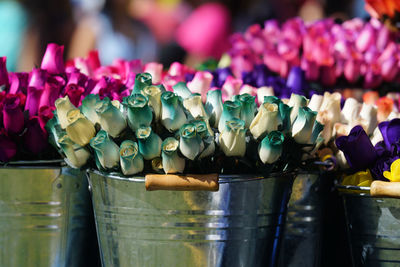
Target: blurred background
188,31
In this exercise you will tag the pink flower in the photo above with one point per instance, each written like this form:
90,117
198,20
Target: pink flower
45,114
176,69
201,83
37,78
352,70
53,60
3,72
231,87
311,69
276,63
155,69
18,82
366,38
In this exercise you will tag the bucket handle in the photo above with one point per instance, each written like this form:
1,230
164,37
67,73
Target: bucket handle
385,189
190,182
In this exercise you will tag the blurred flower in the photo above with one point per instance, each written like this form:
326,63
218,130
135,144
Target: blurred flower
3,72
139,112
230,88
201,83
155,70
171,161
350,110
368,118
130,158
385,107
232,138
357,148
79,129
106,151
53,60
149,143
270,148
172,113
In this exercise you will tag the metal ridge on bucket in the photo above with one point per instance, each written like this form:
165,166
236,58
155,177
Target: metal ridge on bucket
373,225
235,226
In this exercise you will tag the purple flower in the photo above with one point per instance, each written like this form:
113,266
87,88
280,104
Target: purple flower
8,149
296,81
35,137
3,72
53,60
220,76
357,148
381,165
13,117
390,132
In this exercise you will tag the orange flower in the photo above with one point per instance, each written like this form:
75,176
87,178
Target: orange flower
370,97
385,107
378,8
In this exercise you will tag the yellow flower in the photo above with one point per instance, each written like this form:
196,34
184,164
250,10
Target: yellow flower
394,174
361,178
79,129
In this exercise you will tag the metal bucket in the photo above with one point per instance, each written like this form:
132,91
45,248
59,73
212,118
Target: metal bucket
373,226
236,226
301,242
45,217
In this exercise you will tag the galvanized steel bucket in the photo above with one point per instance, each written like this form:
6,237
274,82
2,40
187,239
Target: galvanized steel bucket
301,242
373,226
45,216
235,226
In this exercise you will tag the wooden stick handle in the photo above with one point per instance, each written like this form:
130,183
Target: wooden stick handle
190,182
385,189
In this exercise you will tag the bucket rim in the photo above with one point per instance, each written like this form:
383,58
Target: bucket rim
37,164
222,178
353,190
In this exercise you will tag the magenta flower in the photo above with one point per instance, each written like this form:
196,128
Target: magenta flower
33,100
51,92
8,149
3,72
366,38
53,60
13,117
74,93
35,137
18,82
352,70
45,113
37,78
